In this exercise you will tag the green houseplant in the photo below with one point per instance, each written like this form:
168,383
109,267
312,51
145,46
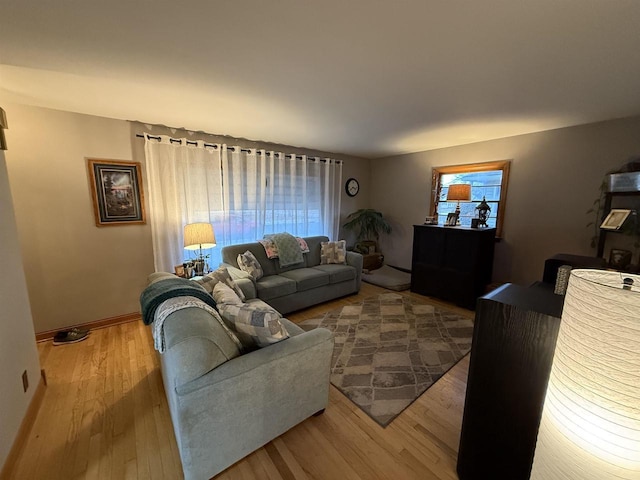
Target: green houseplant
367,223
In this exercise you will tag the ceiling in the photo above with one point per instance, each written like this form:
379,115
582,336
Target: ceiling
364,77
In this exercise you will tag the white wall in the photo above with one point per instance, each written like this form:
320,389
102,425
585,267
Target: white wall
18,350
555,177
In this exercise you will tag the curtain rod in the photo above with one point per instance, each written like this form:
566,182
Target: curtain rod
246,150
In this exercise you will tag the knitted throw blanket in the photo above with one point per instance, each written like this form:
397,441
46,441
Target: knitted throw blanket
289,251
156,293
172,305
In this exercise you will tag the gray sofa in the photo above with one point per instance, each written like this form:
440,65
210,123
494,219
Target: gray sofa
297,286
225,405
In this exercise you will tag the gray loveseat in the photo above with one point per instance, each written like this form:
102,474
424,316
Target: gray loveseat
297,286
225,405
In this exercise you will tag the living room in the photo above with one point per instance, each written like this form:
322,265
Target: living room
76,273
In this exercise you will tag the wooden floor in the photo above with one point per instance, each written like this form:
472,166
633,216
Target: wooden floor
104,415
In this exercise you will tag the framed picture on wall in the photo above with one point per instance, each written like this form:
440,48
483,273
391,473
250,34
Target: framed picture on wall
117,192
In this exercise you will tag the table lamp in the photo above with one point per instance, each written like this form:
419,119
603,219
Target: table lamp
459,192
590,427
199,236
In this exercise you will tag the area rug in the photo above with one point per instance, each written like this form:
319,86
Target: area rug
390,349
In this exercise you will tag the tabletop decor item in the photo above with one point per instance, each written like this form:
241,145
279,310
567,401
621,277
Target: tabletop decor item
459,192
483,209
615,219
199,236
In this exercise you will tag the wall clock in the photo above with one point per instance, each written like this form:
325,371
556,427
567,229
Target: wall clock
352,187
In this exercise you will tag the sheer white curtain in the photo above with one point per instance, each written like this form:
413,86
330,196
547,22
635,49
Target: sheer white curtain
185,186
243,193
270,192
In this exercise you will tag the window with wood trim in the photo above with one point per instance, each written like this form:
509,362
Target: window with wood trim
488,180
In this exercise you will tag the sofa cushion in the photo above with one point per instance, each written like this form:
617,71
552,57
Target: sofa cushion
224,294
220,275
275,286
249,263
314,244
196,346
338,273
254,326
307,278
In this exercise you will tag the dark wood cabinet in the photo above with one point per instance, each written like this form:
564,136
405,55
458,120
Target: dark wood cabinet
514,339
452,263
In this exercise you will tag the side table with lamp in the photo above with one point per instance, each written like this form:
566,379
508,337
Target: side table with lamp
199,236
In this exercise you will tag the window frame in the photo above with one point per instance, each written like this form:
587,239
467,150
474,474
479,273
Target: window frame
503,165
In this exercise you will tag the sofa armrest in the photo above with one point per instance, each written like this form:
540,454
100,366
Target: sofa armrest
248,401
245,281
297,347
355,260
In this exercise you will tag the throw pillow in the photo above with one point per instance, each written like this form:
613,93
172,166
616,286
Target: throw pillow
224,294
269,248
303,245
248,262
333,252
255,327
220,275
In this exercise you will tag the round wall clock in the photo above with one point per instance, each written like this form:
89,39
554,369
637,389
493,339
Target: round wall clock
352,187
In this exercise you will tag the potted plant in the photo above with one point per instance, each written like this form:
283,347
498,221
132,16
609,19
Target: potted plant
368,224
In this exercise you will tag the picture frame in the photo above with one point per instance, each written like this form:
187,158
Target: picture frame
615,219
452,220
179,270
620,259
116,190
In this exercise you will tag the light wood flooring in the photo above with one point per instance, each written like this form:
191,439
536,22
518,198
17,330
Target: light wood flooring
104,415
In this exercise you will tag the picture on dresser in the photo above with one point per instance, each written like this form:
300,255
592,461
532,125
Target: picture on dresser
619,258
615,219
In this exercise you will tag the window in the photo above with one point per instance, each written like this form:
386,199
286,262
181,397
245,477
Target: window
488,180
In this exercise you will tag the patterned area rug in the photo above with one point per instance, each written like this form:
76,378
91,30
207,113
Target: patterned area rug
390,349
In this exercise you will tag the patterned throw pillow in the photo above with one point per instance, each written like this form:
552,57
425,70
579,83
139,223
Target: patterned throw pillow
220,275
303,245
269,248
224,294
248,262
333,252
253,326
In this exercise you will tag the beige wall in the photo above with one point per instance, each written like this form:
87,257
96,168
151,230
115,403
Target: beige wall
77,272
554,180
18,350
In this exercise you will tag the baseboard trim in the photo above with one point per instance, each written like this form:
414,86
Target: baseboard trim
405,270
25,429
105,322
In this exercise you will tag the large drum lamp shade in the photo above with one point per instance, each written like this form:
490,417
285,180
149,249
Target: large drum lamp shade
590,428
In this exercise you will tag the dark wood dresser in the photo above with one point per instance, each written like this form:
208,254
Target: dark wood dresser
452,263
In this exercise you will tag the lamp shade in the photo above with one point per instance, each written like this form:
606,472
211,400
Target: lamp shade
199,236
459,192
590,427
